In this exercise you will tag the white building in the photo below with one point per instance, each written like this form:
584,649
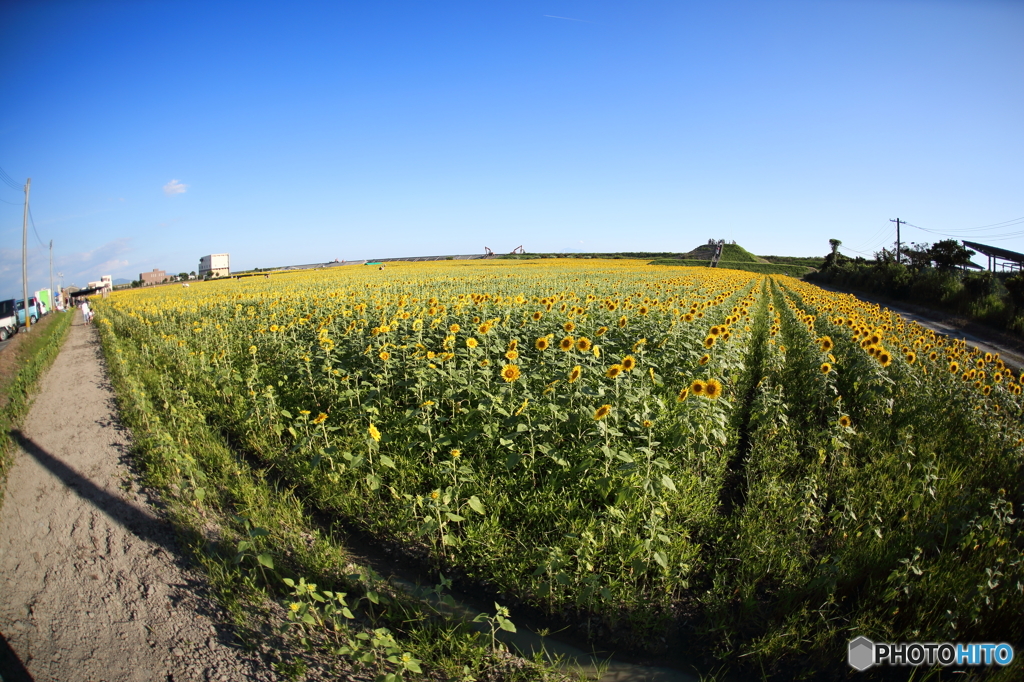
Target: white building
106,284
215,265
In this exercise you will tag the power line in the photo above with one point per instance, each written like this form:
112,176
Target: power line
10,181
33,221
847,248
874,237
886,232
1006,235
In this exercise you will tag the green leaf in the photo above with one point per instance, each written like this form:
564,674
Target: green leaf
387,461
286,414
506,625
266,560
667,482
661,559
522,427
476,505
200,494
373,596
454,517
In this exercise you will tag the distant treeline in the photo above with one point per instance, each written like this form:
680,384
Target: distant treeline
761,268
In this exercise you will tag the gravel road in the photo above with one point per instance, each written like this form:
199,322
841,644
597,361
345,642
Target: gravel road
94,586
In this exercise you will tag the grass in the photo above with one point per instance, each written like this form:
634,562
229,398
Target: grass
35,353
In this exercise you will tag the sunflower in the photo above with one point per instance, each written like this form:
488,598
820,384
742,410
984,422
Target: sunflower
484,328
709,341
602,412
274,327
698,387
384,355
628,363
454,329
845,422
319,419
252,349
597,351
613,371
884,358
569,327
456,453
513,344
567,343
704,359
511,354
714,331
485,362
374,433
575,374
537,315
683,395
911,357
623,321
825,368
825,343
541,343
647,423
472,343
986,389
712,389
601,331
510,373
583,344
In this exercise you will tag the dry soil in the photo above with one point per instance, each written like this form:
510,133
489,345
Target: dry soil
92,583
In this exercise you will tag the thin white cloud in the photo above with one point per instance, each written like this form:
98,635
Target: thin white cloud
552,16
175,187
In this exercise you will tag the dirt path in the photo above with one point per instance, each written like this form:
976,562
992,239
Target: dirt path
93,584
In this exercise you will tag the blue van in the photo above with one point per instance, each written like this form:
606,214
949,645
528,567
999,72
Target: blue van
33,310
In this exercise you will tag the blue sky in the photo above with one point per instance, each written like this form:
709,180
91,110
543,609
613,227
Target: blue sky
303,132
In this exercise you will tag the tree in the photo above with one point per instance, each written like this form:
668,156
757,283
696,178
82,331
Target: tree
182,275
192,274
834,258
949,254
918,256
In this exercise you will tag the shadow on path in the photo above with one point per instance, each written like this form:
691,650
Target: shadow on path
11,667
134,519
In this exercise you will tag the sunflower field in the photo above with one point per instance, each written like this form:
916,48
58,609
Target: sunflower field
745,467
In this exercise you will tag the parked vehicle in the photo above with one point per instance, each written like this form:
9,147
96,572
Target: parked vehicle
34,310
8,319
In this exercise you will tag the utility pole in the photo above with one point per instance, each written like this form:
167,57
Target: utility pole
897,221
52,306
24,257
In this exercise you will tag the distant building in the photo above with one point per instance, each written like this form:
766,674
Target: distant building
216,265
105,285
155,277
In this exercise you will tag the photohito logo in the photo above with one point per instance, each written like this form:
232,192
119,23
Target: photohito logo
863,653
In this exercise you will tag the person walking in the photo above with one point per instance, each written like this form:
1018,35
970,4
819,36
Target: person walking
86,313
